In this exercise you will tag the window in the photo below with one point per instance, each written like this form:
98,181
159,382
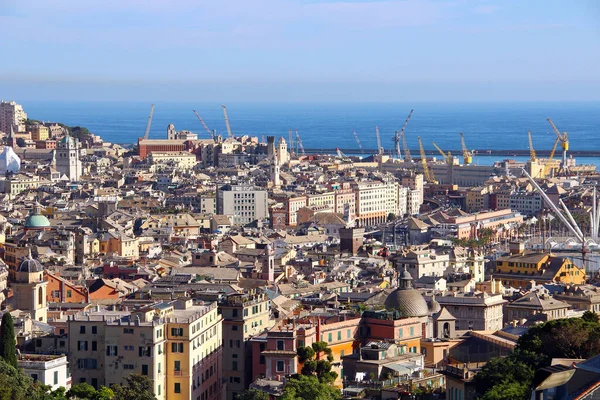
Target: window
412,331
176,347
329,337
400,332
112,350
56,377
128,348
82,329
94,345
234,328
177,366
234,365
280,366
128,331
158,390
280,345
262,360
144,369
34,376
128,366
94,330
69,293
82,345
144,351
339,335
176,331
234,313
348,333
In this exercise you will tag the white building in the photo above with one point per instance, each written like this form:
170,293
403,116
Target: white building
12,114
67,158
244,203
49,370
9,161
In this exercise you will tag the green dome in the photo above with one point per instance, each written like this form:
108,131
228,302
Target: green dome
37,221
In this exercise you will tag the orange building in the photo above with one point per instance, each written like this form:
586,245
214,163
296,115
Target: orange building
59,290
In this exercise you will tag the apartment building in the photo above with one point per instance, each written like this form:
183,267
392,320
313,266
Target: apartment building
481,312
12,115
423,262
244,316
244,203
375,201
177,344
182,160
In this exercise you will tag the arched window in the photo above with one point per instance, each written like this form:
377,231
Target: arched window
40,296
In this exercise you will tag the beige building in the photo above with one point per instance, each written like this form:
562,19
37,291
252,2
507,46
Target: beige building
19,183
12,114
30,289
375,201
182,160
481,312
177,344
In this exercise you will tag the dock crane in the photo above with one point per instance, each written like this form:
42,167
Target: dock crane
564,144
397,144
467,155
428,174
548,163
379,146
299,142
149,123
291,143
447,157
229,134
204,124
407,155
358,141
532,154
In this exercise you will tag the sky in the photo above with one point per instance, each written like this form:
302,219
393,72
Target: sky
300,50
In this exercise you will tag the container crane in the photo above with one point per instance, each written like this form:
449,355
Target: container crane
564,144
407,155
149,124
548,163
300,145
358,141
447,157
204,124
229,134
532,154
379,146
467,155
428,174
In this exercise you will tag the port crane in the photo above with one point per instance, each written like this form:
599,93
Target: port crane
447,157
548,163
467,155
379,146
291,143
229,134
532,155
407,155
358,141
564,144
428,174
204,125
299,142
149,124
402,136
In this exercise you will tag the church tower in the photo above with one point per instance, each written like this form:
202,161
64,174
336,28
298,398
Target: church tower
282,152
275,171
268,264
30,289
67,157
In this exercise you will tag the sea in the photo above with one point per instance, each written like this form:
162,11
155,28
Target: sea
326,126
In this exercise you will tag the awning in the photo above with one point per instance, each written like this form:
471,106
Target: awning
398,368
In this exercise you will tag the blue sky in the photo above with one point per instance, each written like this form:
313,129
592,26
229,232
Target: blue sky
289,50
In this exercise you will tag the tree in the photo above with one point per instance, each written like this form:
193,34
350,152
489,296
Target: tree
508,391
301,387
503,370
590,316
21,142
84,391
14,385
8,344
252,394
391,217
137,387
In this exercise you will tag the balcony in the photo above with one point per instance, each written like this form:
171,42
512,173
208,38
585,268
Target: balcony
177,373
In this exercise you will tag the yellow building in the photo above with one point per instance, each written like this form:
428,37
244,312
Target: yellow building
177,344
182,160
39,132
520,268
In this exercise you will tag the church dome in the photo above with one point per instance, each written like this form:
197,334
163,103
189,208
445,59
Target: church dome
407,300
36,220
29,265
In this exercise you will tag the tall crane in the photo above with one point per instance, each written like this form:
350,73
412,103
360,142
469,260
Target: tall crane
397,144
149,123
229,134
300,145
358,141
447,157
407,155
548,163
532,154
564,143
428,174
467,155
204,124
379,146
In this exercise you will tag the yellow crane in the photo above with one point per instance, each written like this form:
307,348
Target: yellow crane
532,154
447,157
548,163
467,155
564,143
428,174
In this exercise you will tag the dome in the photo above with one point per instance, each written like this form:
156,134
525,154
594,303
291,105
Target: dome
36,220
407,300
29,265
434,306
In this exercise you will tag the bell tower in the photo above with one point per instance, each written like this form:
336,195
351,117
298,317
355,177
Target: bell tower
30,289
